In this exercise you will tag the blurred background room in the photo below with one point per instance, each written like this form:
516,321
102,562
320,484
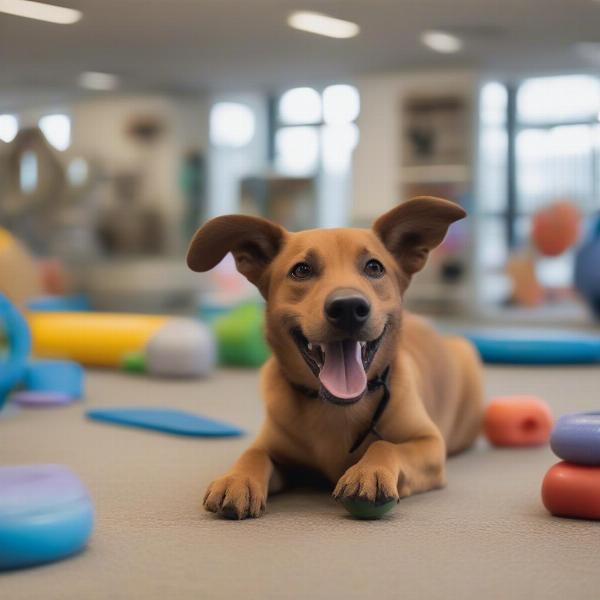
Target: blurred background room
125,125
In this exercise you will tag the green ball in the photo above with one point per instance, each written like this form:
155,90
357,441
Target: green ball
240,337
363,509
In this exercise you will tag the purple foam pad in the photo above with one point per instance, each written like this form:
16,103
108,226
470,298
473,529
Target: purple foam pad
25,489
33,399
576,438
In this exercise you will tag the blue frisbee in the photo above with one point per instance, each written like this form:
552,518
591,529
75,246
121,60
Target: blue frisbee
536,348
45,515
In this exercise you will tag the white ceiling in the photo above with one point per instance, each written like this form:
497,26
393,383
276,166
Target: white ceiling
229,44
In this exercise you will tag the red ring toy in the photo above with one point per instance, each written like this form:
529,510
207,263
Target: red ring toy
518,421
571,490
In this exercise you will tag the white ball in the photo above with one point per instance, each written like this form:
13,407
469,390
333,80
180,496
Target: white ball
182,348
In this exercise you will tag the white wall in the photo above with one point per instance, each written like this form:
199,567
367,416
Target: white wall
228,166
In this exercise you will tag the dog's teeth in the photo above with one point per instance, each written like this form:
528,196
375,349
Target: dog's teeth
310,346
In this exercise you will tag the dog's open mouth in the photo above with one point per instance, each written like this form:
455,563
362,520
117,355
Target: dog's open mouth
340,366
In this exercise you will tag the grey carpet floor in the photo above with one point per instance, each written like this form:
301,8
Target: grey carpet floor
485,536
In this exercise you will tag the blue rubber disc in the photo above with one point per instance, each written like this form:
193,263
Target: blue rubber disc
166,420
536,348
45,515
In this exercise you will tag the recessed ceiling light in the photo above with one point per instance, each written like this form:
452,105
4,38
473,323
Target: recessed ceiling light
440,41
322,24
93,80
40,11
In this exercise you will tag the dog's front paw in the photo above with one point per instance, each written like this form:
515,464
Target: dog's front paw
235,496
374,484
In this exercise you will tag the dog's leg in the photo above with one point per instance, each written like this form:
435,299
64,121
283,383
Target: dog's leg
392,471
242,492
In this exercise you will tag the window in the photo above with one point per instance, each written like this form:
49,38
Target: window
300,106
316,131
548,100
341,104
539,142
57,130
9,127
337,144
314,135
232,125
78,172
297,150
28,172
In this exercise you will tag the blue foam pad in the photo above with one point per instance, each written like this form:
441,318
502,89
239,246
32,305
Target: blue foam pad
45,515
536,348
166,420
61,376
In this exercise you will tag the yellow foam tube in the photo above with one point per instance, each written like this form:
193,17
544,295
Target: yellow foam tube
93,339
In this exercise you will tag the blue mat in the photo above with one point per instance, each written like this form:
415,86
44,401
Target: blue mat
536,348
166,420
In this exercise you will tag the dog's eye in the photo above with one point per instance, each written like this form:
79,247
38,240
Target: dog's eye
374,269
301,270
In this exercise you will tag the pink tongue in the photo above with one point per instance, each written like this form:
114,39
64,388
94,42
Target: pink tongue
343,373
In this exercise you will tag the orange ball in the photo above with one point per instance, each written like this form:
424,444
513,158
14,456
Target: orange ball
571,490
556,228
518,421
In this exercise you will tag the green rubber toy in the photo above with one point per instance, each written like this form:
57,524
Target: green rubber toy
362,509
240,337
134,362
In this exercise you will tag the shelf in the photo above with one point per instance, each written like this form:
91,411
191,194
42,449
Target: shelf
436,174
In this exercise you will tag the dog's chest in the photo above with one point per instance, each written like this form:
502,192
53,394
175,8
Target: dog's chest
329,436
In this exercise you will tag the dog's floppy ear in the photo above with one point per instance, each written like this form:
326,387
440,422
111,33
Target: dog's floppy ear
417,226
253,242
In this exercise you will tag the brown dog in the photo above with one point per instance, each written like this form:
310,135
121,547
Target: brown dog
340,341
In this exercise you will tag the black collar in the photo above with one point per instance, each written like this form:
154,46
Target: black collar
372,385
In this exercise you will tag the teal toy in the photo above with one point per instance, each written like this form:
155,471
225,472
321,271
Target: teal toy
57,376
535,348
365,510
12,367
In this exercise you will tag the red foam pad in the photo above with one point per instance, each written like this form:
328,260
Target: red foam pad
518,421
571,490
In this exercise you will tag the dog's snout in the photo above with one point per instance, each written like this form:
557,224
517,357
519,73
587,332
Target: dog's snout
347,310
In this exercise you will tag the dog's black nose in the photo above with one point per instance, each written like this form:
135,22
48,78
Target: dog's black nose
347,310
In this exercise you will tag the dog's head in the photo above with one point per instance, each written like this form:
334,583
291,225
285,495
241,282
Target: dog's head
334,296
